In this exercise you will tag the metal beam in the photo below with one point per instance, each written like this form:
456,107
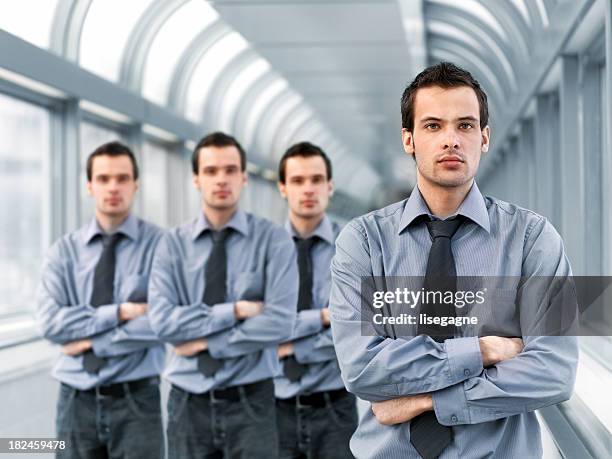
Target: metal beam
188,62
67,27
133,59
546,49
607,186
572,165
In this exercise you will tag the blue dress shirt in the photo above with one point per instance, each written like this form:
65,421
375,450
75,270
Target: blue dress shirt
132,349
491,410
312,343
261,266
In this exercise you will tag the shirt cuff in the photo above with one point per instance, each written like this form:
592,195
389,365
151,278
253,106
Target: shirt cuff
310,321
101,342
464,358
303,348
224,314
107,317
450,405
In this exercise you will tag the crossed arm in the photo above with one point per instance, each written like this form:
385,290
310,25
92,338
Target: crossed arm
465,380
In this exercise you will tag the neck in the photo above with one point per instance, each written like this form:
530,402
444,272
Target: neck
218,217
305,226
109,223
443,201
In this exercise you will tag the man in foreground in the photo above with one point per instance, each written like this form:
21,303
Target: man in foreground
446,393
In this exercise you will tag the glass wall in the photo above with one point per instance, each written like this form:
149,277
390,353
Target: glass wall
25,142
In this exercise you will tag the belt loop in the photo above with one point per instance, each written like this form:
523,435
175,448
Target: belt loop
126,388
327,398
242,393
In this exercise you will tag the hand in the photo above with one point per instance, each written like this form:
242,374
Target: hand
244,309
191,348
77,347
495,349
284,350
325,317
129,311
403,409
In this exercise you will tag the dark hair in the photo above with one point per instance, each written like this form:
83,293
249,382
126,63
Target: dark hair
445,75
305,149
111,149
217,139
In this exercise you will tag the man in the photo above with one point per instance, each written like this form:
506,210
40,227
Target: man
449,394
223,292
93,302
316,415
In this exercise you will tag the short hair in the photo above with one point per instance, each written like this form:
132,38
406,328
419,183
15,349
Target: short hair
217,139
305,149
114,148
446,75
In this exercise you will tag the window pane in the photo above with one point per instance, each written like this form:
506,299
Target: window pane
208,69
155,183
105,34
92,136
170,42
18,18
24,180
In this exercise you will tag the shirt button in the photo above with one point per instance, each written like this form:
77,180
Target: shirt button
454,418
466,372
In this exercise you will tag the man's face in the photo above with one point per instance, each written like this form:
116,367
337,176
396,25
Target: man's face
112,185
219,179
447,140
306,187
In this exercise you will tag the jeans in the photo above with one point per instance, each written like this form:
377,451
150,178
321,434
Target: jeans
202,427
317,432
104,426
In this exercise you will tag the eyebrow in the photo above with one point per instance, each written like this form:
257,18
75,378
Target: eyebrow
435,118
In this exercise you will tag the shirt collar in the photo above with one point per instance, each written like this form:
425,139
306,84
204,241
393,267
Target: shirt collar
238,222
472,207
324,230
129,228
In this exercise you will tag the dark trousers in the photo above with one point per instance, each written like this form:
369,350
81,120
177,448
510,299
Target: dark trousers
94,426
203,426
317,432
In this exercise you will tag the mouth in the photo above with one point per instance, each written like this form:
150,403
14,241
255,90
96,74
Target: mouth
113,201
309,203
221,194
451,160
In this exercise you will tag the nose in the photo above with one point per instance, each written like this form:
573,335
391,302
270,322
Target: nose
451,140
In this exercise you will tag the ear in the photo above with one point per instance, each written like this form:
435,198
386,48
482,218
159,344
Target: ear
408,141
89,191
282,188
330,188
136,185
486,139
195,182
245,178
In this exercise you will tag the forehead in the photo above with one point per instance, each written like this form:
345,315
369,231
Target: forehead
449,103
111,165
302,165
219,156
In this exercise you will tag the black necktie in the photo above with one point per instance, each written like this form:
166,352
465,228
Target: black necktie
427,435
292,369
103,286
215,291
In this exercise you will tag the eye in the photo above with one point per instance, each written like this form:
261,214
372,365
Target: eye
318,179
432,126
466,126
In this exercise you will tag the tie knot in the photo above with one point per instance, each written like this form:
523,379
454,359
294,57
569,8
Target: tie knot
221,235
111,240
305,244
443,228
